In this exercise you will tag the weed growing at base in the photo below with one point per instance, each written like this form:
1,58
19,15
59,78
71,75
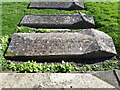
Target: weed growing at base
32,66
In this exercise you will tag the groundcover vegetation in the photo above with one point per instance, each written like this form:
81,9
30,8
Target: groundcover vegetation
106,19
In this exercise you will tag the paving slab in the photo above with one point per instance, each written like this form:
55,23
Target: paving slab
71,5
86,44
76,21
51,80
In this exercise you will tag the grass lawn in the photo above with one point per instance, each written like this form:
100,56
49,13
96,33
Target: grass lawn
105,15
12,13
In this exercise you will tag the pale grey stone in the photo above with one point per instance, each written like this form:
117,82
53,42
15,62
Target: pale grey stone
51,80
86,44
76,21
71,5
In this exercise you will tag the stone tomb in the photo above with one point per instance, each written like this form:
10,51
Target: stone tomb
56,5
76,21
87,44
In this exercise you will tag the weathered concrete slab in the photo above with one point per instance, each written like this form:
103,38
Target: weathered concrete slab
112,77
73,5
51,80
76,21
86,44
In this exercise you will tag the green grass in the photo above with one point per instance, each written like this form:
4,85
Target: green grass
105,15
106,19
13,12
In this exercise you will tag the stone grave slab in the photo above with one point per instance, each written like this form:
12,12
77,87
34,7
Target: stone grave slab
86,44
71,5
66,81
76,21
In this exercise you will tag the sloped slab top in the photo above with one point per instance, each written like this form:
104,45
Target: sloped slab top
52,80
87,44
56,5
76,21
111,76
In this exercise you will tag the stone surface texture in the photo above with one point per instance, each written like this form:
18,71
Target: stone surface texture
112,77
71,5
76,21
51,80
86,44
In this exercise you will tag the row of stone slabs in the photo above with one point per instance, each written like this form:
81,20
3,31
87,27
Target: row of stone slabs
87,44
76,21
